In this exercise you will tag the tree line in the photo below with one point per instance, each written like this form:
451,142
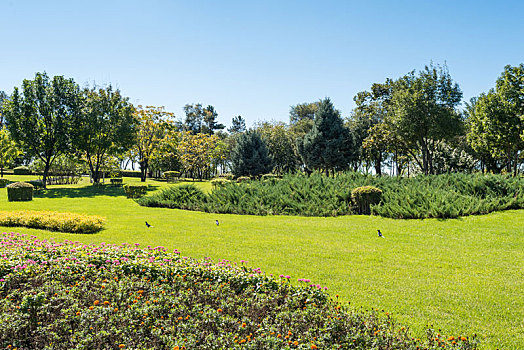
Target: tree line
409,125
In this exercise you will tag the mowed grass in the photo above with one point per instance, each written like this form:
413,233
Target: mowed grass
463,276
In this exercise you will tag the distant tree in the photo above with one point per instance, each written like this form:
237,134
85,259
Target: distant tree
496,120
107,127
210,124
250,156
153,128
201,120
238,124
280,146
42,117
196,153
303,111
424,112
9,150
324,147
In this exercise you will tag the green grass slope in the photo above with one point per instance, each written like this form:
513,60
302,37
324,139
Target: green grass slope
463,275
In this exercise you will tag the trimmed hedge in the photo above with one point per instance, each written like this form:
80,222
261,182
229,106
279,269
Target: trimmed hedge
170,176
364,197
116,181
53,221
22,170
20,191
37,184
135,191
129,173
4,182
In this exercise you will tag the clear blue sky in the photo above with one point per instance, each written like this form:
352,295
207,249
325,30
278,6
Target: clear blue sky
256,58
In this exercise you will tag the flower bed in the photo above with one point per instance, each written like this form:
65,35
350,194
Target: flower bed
69,295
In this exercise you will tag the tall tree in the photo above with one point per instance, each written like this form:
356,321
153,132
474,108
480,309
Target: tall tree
107,127
250,157
9,150
424,112
210,123
42,116
153,128
303,111
196,153
324,147
280,146
496,120
238,124
3,97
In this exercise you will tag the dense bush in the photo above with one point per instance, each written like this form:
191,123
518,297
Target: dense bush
364,197
20,191
243,179
37,184
68,295
135,191
116,181
53,221
4,182
129,173
219,182
170,176
436,196
22,170
182,197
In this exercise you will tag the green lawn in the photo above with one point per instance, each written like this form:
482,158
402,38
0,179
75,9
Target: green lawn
464,276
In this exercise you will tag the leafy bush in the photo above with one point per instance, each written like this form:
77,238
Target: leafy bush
4,182
135,191
364,197
53,295
53,221
19,191
436,196
129,173
22,170
116,181
219,182
182,197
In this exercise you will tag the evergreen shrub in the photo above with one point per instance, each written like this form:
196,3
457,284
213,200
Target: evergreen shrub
49,220
135,191
182,197
364,197
20,191
22,170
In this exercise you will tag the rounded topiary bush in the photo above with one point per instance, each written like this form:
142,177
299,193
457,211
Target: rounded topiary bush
135,191
20,191
22,170
363,197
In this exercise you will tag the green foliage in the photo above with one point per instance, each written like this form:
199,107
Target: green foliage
42,116
324,147
250,156
219,182
22,170
116,181
435,196
53,221
4,182
37,184
364,197
170,176
135,191
129,173
238,125
9,150
182,197
125,297
20,191
243,179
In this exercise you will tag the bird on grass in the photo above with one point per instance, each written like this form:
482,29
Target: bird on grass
380,234
216,222
148,225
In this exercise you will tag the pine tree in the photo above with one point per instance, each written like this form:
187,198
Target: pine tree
250,156
325,146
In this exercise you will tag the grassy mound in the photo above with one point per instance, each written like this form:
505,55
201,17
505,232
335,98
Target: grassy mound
73,296
438,196
53,221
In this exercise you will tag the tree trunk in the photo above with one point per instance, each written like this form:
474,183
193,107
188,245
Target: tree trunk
143,170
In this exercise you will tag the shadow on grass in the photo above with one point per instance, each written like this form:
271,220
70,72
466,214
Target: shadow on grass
87,191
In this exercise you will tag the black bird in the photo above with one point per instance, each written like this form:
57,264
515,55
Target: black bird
216,222
148,225
380,234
